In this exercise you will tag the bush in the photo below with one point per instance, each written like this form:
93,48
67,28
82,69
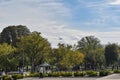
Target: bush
34,75
0,77
45,75
6,77
116,71
17,76
92,73
77,74
66,74
104,73
54,74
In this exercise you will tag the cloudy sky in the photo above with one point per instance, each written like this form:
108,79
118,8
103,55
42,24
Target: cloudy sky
66,19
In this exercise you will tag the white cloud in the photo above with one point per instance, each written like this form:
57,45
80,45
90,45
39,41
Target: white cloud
39,9
47,16
103,13
71,36
115,2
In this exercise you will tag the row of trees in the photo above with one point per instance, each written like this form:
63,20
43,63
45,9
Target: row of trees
21,48
99,56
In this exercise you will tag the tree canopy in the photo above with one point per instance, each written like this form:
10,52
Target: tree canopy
111,54
12,34
35,47
6,52
21,48
94,54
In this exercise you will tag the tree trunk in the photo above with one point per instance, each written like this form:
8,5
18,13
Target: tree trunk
32,66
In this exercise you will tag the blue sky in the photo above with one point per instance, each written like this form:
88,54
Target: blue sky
68,19
97,14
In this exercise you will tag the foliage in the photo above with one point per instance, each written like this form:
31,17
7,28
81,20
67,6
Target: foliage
66,74
7,77
79,73
36,48
54,74
34,75
111,54
62,74
104,73
6,52
58,55
21,48
6,49
12,34
88,43
116,71
92,73
94,53
17,76
71,59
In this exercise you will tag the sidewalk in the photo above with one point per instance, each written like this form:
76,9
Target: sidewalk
75,78
110,77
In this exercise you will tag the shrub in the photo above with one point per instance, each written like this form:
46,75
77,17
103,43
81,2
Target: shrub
54,74
92,73
116,71
104,73
66,74
6,77
34,75
0,77
77,74
17,76
45,75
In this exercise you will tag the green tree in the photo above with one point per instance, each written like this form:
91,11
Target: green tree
6,51
93,50
72,59
12,34
59,53
35,48
95,59
112,54
88,43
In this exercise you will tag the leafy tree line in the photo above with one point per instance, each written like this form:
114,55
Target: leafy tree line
21,48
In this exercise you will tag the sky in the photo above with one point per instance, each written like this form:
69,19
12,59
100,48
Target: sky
65,21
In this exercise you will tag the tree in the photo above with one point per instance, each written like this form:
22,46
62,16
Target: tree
95,59
5,56
91,47
88,43
36,48
65,57
72,59
112,54
12,34
59,53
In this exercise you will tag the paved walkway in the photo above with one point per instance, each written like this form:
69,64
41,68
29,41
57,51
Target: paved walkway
59,79
110,77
